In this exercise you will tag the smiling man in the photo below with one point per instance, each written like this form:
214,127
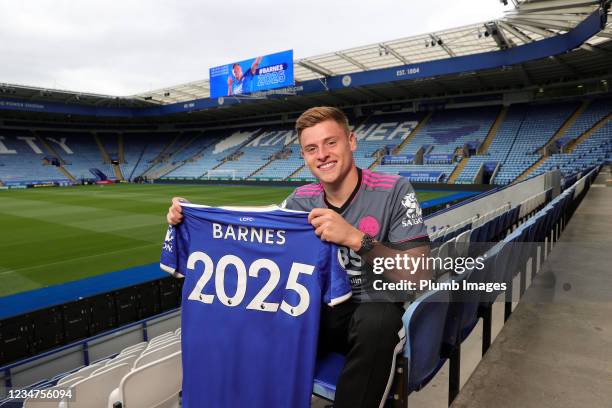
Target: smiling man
369,215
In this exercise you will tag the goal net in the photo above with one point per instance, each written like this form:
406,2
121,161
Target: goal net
224,174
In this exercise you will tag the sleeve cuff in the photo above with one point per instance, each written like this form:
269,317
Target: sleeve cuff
341,299
172,271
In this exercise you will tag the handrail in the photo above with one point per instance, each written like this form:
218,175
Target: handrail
469,200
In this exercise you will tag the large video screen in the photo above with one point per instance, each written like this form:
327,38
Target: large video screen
252,75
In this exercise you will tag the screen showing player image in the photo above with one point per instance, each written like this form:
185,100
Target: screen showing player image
252,75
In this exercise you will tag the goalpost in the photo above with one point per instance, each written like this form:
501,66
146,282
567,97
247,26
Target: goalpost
220,174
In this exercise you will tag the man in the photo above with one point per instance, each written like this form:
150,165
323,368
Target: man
369,215
240,83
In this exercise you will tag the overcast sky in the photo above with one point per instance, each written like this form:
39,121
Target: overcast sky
133,46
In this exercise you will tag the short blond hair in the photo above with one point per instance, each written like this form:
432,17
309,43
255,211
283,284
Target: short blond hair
318,114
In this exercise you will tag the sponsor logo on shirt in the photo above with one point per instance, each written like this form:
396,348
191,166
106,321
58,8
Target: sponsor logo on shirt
414,215
169,238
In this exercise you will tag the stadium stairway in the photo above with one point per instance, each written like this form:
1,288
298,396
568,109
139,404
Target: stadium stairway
531,168
295,172
484,147
54,153
236,150
572,145
48,147
160,156
272,159
103,152
458,170
407,140
117,171
189,158
120,149
155,173
66,173
568,124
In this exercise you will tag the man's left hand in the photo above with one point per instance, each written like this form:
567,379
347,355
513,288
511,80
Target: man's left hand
331,227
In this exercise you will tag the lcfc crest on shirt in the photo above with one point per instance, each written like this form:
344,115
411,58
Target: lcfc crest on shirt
413,211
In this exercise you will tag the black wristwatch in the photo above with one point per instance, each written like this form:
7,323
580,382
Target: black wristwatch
367,243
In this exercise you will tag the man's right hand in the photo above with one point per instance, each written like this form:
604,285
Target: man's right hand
175,212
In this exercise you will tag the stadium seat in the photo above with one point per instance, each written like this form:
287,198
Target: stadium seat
461,244
83,372
494,272
138,346
93,392
424,326
30,403
460,321
160,344
161,337
157,353
127,359
135,390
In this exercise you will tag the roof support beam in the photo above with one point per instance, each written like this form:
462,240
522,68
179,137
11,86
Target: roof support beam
315,68
515,31
352,61
529,27
439,41
394,53
553,5
556,25
498,35
576,18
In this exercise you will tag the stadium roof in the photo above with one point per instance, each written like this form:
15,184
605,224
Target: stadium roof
529,21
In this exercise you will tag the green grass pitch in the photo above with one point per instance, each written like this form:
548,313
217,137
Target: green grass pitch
55,235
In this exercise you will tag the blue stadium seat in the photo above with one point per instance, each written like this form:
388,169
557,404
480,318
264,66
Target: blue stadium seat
424,322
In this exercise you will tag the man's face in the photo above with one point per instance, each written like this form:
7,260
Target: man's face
328,151
237,70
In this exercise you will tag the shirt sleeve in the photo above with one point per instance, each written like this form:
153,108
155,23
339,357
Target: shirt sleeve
169,261
291,203
407,228
336,286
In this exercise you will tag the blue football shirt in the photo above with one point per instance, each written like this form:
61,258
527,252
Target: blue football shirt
245,84
254,283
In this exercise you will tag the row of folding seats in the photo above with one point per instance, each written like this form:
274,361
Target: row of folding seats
443,234
480,234
532,203
121,377
439,321
447,233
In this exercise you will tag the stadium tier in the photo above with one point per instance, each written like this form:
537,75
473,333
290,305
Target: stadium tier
25,158
537,128
530,139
